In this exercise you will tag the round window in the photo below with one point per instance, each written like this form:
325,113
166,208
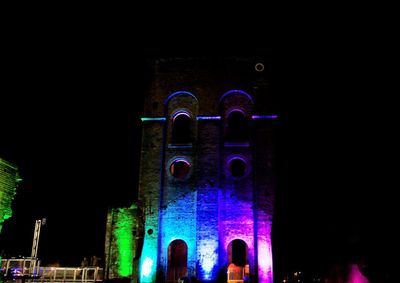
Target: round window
179,168
237,167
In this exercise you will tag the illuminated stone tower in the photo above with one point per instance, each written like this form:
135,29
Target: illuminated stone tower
207,175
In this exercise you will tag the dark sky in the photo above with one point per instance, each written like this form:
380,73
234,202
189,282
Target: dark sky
71,124
70,115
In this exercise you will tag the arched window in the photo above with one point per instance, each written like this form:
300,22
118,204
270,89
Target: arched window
236,108
181,128
236,127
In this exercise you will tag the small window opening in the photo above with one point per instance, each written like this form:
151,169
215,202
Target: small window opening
180,169
237,167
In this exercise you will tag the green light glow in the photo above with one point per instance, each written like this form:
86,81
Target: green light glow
145,119
124,225
8,180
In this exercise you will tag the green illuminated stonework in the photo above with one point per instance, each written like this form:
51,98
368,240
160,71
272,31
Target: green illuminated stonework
121,242
8,182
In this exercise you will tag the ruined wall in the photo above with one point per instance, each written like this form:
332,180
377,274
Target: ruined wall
8,182
122,242
149,197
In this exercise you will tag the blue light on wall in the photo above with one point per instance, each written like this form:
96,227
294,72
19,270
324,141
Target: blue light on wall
208,118
185,230
148,258
180,92
236,91
208,252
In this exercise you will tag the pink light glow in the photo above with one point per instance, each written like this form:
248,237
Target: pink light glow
264,262
355,276
180,113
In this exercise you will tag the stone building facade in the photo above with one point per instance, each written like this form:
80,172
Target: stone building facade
207,175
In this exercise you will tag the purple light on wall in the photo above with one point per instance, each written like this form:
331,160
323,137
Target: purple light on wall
264,116
235,156
264,262
237,167
236,110
355,275
236,144
264,258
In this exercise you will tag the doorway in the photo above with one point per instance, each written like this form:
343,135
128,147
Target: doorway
177,260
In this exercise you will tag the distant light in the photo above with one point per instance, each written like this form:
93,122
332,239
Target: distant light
145,119
264,116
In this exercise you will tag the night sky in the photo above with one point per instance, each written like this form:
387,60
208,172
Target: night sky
70,120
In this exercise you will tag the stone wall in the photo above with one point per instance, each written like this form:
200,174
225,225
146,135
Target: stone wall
122,241
8,182
208,208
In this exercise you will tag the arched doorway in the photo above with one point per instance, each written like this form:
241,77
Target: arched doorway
177,260
238,268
